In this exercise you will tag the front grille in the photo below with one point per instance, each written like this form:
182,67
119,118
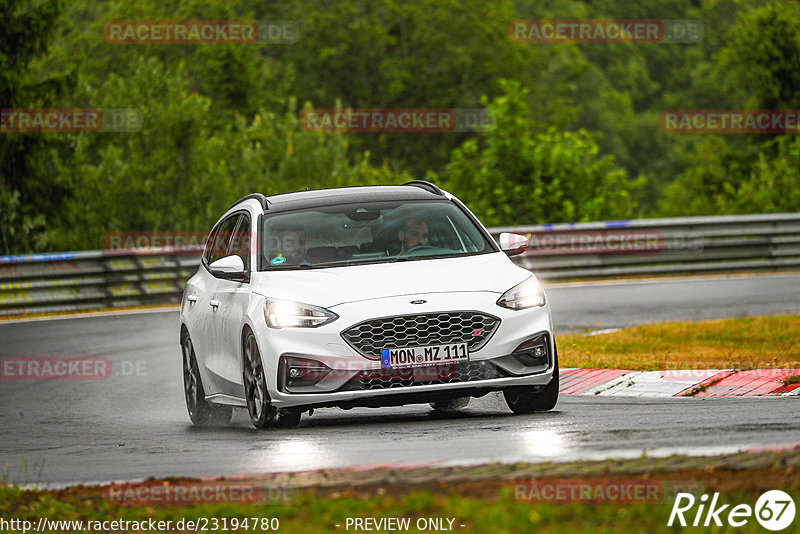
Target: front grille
369,337
420,376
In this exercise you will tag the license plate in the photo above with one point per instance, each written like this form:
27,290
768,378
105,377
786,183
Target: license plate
424,356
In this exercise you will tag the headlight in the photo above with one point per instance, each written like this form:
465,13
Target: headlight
528,294
285,313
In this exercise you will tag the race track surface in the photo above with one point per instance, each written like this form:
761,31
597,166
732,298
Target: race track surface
133,425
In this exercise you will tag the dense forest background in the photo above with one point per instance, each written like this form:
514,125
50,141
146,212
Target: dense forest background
576,135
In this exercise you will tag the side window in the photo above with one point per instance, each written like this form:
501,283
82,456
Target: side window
240,242
224,234
208,251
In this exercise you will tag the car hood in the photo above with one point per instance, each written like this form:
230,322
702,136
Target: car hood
338,285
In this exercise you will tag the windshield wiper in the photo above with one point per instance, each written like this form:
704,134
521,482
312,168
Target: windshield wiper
289,267
347,263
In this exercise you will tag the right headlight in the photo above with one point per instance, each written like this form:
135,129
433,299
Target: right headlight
527,294
286,313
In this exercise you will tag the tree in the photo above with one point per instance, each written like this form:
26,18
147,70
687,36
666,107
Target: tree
747,173
418,54
513,175
28,195
180,171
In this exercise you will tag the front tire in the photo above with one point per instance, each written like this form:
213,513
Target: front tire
201,412
531,399
262,412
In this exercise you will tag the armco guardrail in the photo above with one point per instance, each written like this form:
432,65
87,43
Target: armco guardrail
70,281
650,247
73,281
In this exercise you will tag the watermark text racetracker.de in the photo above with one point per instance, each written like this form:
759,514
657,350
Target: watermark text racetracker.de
201,32
70,120
177,242
730,121
701,373
602,490
606,31
610,241
417,120
165,493
68,368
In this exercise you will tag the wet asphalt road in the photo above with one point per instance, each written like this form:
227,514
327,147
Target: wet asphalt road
133,424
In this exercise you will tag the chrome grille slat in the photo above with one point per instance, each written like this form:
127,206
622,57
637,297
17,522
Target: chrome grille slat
369,337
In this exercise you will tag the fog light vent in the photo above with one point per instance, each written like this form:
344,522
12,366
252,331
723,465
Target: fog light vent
301,371
533,352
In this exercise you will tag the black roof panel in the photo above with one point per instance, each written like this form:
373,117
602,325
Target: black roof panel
344,195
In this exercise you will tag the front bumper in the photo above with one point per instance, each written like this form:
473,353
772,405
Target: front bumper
343,386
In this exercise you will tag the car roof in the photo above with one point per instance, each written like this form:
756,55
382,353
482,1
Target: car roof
345,195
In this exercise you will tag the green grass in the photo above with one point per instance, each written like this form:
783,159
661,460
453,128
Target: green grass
791,379
743,343
502,514
481,497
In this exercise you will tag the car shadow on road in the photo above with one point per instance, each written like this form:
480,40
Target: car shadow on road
330,418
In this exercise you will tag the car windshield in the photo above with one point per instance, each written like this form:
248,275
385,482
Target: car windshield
371,232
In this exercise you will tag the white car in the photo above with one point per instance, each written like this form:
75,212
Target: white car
361,296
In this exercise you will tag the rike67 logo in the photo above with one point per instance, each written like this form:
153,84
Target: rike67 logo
774,510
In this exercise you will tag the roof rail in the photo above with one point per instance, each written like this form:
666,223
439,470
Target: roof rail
257,196
427,186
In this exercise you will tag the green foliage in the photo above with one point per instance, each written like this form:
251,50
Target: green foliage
747,173
27,196
762,58
513,175
420,54
180,172
773,185
21,225
577,133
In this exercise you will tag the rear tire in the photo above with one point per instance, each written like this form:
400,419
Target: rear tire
530,399
450,405
262,412
201,412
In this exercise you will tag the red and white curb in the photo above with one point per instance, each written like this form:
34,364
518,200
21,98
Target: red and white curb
679,383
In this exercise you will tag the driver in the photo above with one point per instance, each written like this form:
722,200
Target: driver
412,234
291,245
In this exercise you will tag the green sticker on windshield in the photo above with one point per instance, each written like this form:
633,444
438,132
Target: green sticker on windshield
277,260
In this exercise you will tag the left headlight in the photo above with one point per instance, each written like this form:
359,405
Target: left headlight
288,314
527,294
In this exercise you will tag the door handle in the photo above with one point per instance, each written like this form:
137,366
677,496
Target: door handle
214,304
191,298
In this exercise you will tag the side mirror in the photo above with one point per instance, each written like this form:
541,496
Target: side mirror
229,267
513,244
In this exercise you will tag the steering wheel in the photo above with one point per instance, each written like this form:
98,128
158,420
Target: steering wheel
418,247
